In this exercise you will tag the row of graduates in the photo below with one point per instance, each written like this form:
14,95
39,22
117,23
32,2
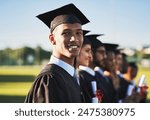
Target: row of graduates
97,62
58,82
107,66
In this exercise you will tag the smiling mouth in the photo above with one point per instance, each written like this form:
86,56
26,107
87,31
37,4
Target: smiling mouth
73,47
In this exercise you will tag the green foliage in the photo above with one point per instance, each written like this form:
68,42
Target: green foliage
146,56
23,56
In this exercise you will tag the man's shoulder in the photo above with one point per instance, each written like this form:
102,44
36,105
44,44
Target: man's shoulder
50,68
53,70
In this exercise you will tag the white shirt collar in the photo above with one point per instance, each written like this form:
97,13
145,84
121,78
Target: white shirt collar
98,69
87,69
62,64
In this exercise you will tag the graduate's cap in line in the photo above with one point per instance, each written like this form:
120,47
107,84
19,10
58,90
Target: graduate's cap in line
85,39
95,43
85,32
65,14
118,51
111,47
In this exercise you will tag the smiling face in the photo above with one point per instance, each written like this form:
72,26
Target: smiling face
67,40
85,56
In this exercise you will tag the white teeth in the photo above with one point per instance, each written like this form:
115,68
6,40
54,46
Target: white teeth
72,47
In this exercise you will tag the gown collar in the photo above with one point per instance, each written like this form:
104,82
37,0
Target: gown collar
87,69
70,69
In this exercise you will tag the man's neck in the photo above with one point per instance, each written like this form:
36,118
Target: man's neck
70,61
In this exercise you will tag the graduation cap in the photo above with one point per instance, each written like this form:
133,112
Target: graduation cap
85,32
65,14
86,41
110,47
117,51
95,43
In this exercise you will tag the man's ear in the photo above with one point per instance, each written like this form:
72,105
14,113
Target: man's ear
51,39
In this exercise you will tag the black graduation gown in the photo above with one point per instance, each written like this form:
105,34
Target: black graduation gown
123,88
86,79
134,98
54,85
85,83
106,83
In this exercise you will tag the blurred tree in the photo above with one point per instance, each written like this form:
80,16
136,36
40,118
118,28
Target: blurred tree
23,56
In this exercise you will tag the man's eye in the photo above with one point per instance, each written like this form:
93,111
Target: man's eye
79,33
66,33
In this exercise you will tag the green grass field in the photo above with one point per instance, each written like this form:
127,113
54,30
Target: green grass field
15,82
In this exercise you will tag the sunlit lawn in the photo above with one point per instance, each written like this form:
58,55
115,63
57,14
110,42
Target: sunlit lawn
20,70
14,88
15,82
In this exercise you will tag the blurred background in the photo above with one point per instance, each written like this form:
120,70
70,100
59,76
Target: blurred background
25,49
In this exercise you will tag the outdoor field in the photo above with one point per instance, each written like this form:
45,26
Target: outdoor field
15,82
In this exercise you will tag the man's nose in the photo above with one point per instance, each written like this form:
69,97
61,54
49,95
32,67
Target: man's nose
73,38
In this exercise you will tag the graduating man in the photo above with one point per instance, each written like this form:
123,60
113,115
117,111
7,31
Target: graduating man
110,69
119,66
99,55
56,82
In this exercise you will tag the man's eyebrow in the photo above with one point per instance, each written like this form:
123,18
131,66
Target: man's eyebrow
67,30
70,30
79,30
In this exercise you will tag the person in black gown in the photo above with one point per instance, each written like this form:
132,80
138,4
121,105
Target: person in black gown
84,75
87,74
99,55
133,95
56,82
119,66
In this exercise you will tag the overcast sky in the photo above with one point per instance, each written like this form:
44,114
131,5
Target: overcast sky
125,22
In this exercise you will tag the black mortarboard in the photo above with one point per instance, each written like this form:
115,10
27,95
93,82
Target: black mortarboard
66,14
117,51
85,32
86,41
95,43
110,47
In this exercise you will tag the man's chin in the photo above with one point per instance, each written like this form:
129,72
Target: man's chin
74,54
